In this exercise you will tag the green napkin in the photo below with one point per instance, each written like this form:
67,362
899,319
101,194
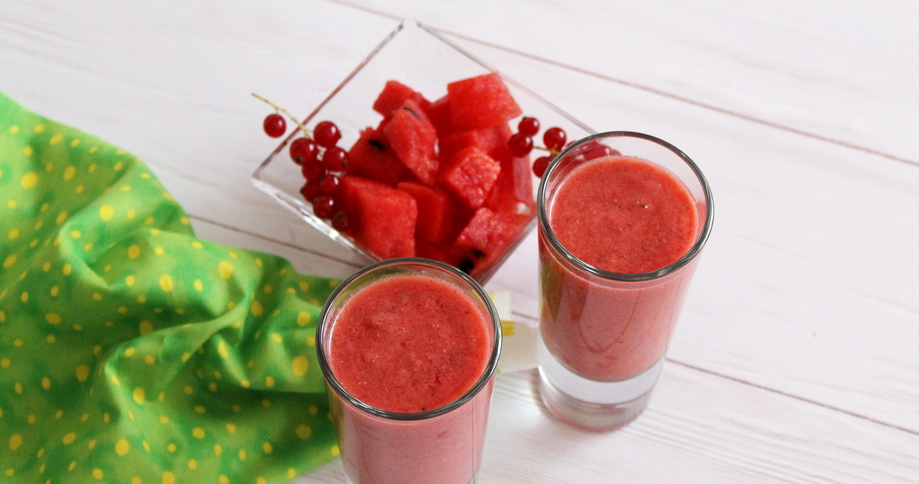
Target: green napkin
132,351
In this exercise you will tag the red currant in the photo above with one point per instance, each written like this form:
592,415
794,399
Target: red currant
328,184
340,221
310,190
335,159
274,125
528,126
520,144
326,134
304,150
540,165
312,170
554,138
324,206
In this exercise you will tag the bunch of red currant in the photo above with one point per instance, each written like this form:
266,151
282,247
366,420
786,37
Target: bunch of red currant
521,142
321,161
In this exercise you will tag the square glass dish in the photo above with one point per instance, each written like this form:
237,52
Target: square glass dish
425,61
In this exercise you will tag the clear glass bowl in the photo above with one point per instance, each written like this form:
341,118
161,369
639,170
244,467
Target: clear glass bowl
424,60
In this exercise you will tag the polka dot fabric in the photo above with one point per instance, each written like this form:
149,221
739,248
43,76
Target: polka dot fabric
132,351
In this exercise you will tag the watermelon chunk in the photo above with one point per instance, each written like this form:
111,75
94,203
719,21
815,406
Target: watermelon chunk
382,218
470,176
481,102
438,215
413,139
513,190
372,157
439,114
441,251
487,237
394,95
492,141
481,229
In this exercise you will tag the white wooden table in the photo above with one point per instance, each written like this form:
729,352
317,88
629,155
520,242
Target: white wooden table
797,355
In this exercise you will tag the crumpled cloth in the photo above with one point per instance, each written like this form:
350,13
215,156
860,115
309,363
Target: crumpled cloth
132,351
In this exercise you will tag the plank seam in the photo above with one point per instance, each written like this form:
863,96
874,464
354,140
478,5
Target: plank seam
795,397
768,389
272,240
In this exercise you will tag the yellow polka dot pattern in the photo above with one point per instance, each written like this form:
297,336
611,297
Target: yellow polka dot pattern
131,350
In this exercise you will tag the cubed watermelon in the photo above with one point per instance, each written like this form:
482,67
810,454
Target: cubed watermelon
470,175
438,216
382,218
493,141
442,251
413,138
466,205
478,233
372,157
481,102
439,114
486,238
394,95
513,190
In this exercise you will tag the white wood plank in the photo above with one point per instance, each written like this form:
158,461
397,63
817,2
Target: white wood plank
847,71
697,429
808,283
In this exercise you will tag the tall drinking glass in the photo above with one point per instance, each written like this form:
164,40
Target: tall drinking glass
409,349
623,217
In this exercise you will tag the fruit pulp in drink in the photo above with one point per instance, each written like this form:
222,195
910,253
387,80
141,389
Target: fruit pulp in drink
406,344
623,215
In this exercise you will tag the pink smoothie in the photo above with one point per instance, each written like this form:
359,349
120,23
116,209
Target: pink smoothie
411,343
624,215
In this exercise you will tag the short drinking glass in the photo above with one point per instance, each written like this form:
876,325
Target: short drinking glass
409,348
623,217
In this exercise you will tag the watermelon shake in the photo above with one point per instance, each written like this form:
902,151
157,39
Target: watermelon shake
409,349
622,219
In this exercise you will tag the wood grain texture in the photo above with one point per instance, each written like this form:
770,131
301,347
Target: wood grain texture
795,359
304,261
808,282
696,429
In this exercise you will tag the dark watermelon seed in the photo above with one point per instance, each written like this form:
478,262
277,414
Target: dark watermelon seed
466,266
411,111
379,145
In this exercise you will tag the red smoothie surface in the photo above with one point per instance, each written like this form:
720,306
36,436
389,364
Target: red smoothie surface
409,343
625,215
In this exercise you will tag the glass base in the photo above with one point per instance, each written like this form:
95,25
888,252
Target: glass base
591,404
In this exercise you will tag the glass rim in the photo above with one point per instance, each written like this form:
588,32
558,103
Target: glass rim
625,276
490,368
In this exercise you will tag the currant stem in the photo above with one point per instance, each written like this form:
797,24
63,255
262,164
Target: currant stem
279,108
543,148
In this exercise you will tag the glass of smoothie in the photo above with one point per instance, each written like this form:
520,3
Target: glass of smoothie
623,217
409,348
